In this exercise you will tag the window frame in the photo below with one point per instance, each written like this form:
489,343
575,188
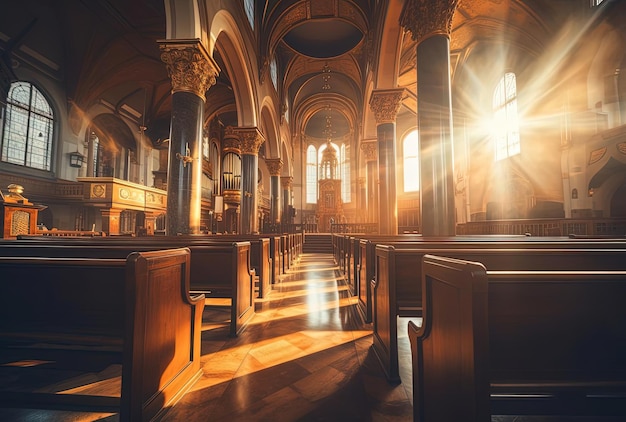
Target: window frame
311,174
35,115
506,133
344,173
413,162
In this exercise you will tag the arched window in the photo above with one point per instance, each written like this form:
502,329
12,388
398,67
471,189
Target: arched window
344,157
506,121
28,128
411,162
104,159
311,175
249,7
274,73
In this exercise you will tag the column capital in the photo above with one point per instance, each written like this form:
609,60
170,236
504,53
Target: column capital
424,18
274,165
286,182
385,104
189,66
250,140
230,142
370,149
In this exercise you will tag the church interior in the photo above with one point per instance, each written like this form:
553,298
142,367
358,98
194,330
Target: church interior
313,131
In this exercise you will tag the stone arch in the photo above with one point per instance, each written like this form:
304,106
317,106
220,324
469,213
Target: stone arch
185,19
231,46
269,129
118,146
389,48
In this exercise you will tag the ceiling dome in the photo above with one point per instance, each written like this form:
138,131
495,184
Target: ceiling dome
323,38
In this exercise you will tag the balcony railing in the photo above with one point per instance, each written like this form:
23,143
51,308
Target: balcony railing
547,227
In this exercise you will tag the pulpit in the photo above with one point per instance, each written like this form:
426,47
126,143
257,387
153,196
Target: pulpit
17,215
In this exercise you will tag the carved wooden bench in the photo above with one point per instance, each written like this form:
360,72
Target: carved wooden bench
136,310
518,343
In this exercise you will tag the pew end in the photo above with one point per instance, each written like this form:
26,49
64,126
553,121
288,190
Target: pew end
518,343
81,314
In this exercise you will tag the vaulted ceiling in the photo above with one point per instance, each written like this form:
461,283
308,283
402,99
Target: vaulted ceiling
105,51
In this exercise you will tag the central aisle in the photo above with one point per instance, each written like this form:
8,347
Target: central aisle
306,356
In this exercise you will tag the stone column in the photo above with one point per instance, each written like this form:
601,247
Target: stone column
251,140
369,149
275,166
192,72
430,23
385,104
286,182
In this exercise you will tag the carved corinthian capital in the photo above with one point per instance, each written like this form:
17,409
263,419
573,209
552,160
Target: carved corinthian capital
427,17
189,66
250,140
385,104
274,165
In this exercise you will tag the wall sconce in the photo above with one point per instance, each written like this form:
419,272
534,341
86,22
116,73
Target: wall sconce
76,159
590,192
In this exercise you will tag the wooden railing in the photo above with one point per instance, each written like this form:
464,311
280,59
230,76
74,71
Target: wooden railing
547,227
354,228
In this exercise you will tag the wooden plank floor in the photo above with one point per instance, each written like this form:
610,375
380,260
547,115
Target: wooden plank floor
305,357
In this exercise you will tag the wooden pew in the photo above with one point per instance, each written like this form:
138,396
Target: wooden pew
218,270
518,343
138,308
284,246
365,255
276,255
261,258
397,287
364,266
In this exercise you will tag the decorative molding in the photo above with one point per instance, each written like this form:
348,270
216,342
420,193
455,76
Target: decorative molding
424,18
370,149
274,165
251,140
385,103
98,190
621,147
189,66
